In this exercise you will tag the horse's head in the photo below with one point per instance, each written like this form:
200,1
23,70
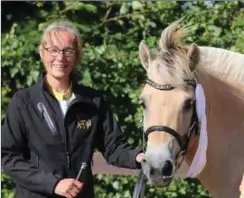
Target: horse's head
168,100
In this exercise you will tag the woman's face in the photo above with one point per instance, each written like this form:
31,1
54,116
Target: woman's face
59,54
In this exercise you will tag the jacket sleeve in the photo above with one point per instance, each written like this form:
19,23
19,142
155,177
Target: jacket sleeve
14,145
112,142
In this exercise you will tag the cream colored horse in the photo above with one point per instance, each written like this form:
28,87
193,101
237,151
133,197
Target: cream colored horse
221,74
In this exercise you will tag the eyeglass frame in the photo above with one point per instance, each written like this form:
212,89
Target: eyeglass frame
59,50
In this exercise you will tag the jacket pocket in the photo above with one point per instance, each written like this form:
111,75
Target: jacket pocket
42,109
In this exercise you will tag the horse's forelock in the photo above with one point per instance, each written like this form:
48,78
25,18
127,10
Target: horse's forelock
173,33
173,56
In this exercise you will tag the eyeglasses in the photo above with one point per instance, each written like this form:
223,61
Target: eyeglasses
53,51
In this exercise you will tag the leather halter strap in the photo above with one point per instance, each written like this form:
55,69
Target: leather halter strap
167,87
164,129
183,141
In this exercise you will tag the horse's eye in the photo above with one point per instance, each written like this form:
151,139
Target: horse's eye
143,105
188,104
142,102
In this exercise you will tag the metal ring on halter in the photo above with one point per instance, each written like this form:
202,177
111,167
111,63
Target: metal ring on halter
180,159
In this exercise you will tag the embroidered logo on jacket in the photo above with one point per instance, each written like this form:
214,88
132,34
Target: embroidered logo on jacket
83,124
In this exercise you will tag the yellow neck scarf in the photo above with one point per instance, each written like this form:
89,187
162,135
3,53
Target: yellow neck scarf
60,96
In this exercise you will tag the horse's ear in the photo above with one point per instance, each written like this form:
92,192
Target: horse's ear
194,56
144,54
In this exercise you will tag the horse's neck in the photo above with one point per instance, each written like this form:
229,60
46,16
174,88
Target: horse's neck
225,117
222,99
223,64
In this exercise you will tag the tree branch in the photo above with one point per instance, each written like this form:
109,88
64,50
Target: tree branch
118,17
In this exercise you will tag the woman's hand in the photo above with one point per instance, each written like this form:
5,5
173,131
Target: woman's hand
140,157
68,188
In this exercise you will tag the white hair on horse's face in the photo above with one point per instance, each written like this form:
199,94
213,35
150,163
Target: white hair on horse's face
158,154
156,157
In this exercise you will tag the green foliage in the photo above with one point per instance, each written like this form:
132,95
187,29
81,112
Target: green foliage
7,187
122,187
111,32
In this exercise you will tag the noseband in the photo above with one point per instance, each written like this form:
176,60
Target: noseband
184,140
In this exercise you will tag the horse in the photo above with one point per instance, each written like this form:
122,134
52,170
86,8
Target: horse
171,124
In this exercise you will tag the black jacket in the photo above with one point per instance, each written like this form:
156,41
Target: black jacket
39,146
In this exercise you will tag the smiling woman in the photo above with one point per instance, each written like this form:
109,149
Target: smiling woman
52,128
59,51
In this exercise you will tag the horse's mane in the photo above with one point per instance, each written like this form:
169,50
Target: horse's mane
224,64
227,66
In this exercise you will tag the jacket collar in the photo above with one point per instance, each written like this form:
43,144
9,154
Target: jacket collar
77,89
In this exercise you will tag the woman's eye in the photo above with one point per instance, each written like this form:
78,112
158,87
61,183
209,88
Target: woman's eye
52,50
188,104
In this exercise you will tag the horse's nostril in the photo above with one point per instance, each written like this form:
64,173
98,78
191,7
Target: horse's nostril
167,169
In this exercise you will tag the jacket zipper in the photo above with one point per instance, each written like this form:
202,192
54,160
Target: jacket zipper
42,109
67,146
67,153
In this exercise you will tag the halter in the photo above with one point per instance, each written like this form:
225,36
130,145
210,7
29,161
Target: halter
184,140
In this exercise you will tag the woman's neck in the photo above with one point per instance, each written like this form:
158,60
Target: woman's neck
59,85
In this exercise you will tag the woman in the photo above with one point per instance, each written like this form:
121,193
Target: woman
52,128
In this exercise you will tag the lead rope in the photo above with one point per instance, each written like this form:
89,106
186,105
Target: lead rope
140,186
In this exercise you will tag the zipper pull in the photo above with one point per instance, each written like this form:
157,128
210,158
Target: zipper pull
83,166
41,110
